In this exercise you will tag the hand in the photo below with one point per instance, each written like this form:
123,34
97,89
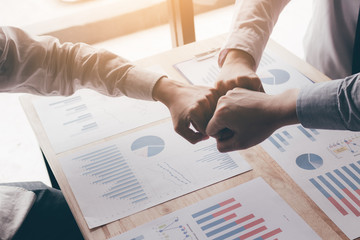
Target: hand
238,70
244,118
188,105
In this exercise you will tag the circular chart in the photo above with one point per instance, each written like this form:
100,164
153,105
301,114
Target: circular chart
309,161
275,77
148,146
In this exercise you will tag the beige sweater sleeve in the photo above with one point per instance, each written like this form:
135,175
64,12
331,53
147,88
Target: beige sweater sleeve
252,25
42,65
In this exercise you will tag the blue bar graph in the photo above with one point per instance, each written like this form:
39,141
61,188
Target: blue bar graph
287,134
351,174
314,131
281,139
138,238
108,166
332,189
223,160
306,133
345,179
276,144
217,222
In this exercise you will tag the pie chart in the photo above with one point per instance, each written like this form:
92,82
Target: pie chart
275,77
148,146
309,161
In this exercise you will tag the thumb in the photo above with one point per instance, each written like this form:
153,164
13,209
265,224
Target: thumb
214,127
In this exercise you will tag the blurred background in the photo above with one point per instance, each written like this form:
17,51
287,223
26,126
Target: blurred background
133,29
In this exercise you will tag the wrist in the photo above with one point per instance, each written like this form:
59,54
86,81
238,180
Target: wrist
164,89
286,102
240,57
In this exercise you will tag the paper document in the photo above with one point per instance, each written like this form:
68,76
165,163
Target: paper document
88,116
252,210
326,165
275,75
142,169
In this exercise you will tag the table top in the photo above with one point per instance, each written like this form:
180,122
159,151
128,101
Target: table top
263,165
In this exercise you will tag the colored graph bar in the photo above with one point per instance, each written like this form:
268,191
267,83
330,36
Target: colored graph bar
339,195
306,133
217,222
138,238
79,118
276,144
314,131
223,160
343,188
269,234
209,209
96,153
230,225
287,134
351,174
219,213
348,181
238,230
253,232
281,139
66,101
355,168
329,197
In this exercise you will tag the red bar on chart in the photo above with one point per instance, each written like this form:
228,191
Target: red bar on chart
252,233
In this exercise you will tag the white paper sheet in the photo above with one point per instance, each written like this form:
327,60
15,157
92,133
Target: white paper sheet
88,116
275,75
252,210
326,165
142,169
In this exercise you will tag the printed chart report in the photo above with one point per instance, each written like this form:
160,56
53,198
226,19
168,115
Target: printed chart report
326,165
88,116
139,170
275,75
249,211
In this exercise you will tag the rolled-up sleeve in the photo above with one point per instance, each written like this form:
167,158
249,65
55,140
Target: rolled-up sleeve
42,65
252,25
331,105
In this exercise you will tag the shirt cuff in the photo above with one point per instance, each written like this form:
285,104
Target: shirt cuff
317,106
139,83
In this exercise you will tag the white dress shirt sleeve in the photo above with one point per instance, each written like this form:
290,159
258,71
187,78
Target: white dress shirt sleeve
42,65
252,25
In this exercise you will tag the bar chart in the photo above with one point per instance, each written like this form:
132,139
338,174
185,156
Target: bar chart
108,167
211,220
341,188
286,137
220,161
251,210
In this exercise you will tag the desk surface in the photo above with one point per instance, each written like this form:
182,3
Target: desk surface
263,165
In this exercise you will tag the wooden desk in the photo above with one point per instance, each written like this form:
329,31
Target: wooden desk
263,165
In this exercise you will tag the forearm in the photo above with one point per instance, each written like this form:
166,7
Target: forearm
42,65
252,25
